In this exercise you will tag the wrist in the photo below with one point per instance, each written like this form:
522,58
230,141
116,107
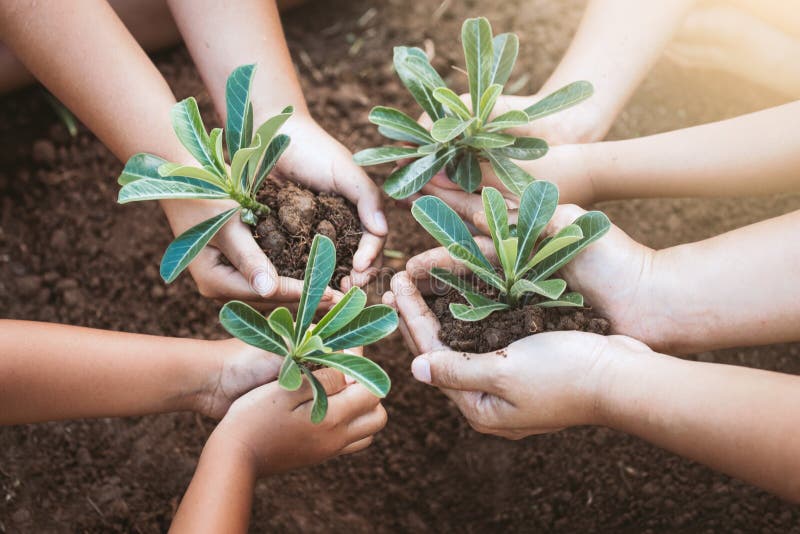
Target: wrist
201,376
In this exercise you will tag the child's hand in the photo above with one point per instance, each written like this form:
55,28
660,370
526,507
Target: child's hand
271,428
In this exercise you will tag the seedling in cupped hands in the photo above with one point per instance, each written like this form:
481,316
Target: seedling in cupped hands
462,137
347,325
524,266
253,156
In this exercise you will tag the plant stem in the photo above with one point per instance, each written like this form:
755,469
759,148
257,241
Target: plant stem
249,203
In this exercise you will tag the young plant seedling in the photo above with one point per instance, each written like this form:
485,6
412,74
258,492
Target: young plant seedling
347,325
463,136
524,267
253,156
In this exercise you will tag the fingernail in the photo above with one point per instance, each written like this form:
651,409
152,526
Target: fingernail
380,222
421,369
360,262
263,284
349,380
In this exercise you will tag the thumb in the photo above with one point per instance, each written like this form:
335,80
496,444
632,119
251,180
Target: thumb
237,244
564,216
457,370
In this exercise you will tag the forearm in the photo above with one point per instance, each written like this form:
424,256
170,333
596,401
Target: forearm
616,44
743,422
50,372
219,498
758,153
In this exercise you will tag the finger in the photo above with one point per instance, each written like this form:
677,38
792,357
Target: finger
350,403
420,265
358,446
361,191
457,370
367,424
332,381
389,300
564,216
422,324
368,253
237,244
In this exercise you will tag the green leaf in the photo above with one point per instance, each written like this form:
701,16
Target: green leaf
420,66
267,132
319,269
472,262
462,312
468,172
408,180
149,189
525,148
476,36
397,121
274,151
188,126
289,376
311,345
565,237
140,166
280,320
564,98
247,324
496,211
536,208
445,226
460,285
593,224
449,128
342,313
551,289
512,175
215,140
574,300
510,119
421,93
453,102
319,408
506,48
168,170
485,140
507,253
186,246
237,104
384,154
488,100
430,148
364,371
370,325
239,163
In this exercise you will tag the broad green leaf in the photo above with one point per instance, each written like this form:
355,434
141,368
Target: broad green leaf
247,324
319,269
384,154
565,237
484,140
551,289
525,148
512,175
421,93
420,66
449,128
150,189
397,121
397,135
460,285
342,313
496,211
468,172
472,262
237,104
290,376
567,300
462,312
239,163
445,226
593,224
447,97
506,48
168,170
370,325
409,179
311,345
215,140
140,166
364,371
186,246
507,253
267,132
476,36
430,148
191,132
536,208
564,98
274,151
280,320
319,407
509,119
488,100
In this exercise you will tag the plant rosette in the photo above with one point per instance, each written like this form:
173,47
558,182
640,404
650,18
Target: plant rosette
349,324
461,137
511,295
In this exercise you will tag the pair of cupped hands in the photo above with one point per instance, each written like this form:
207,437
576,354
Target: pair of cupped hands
545,382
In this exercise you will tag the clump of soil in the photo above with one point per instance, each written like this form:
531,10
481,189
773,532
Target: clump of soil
298,214
502,328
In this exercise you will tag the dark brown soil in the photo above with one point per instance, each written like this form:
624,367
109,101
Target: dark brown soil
70,254
297,215
502,328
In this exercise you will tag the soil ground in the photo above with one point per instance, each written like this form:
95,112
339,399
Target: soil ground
69,254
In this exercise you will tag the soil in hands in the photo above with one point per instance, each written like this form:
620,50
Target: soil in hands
502,328
297,215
